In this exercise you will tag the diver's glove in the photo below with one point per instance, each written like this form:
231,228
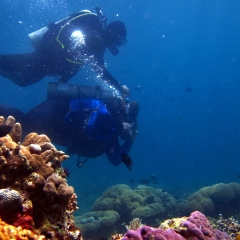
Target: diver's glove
127,161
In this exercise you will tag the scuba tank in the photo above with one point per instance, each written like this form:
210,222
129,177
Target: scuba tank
71,91
36,37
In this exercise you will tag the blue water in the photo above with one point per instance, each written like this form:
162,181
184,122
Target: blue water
185,56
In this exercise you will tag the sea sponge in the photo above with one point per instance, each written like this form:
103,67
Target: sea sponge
10,204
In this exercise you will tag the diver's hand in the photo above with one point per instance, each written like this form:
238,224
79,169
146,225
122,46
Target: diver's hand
129,130
125,91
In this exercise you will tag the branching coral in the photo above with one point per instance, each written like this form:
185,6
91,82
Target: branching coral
134,224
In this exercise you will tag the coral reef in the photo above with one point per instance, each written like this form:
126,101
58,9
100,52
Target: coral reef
98,224
219,198
228,225
149,204
8,232
34,193
195,227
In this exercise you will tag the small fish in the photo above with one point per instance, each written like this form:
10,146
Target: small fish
132,181
144,181
127,161
188,89
137,87
66,171
4,130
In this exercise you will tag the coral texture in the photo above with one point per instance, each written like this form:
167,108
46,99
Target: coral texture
10,204
213,200
8,232
143,202
94,225
34,193
195,227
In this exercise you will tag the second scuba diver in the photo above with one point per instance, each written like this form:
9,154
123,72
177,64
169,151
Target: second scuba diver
89,128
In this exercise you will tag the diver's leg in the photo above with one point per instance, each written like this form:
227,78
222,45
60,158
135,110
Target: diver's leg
47,118
6,111
22,69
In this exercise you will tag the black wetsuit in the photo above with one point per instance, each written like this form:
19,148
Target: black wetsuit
55,55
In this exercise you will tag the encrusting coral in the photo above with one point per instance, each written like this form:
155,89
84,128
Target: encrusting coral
195,227
34,193
10,232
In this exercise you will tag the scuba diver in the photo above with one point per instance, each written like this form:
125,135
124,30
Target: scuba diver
88,120
62,48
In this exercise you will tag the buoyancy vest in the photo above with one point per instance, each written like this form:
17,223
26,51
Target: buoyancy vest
90,118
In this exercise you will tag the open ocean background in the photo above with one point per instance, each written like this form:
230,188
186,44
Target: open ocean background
185,56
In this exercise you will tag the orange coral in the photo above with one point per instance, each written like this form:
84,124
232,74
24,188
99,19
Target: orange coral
8,232
33,138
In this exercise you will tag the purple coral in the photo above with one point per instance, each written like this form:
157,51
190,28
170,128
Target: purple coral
147,233
199,228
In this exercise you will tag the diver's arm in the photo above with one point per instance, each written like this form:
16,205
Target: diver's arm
126,147
107,77
110,79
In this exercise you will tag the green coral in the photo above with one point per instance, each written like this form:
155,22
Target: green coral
102,223
213,200
143,202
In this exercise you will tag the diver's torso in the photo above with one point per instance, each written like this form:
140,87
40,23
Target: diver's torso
59,51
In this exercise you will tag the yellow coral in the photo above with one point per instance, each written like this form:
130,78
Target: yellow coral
174,223
9,232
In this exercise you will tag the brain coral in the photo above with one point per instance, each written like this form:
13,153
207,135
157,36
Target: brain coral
213,200
10,203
